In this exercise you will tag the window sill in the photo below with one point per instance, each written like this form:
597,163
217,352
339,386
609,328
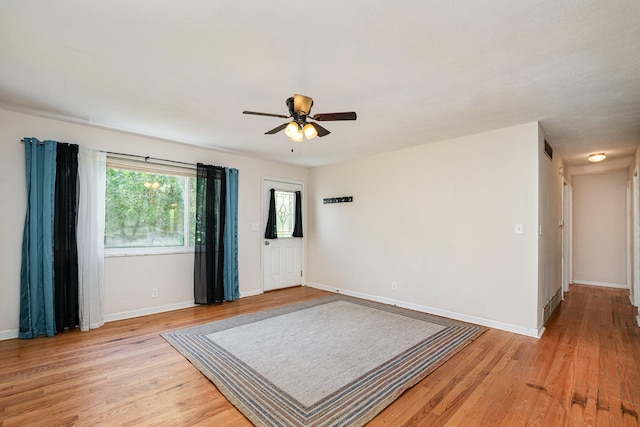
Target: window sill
125,252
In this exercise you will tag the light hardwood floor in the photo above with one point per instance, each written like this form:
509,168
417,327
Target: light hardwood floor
585,370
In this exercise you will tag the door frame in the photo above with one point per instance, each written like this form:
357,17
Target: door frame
635,229
263,224
630,240
567,236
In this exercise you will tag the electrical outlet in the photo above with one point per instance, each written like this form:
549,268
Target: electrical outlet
394,286
154,292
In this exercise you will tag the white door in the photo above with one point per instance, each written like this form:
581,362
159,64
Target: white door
281,257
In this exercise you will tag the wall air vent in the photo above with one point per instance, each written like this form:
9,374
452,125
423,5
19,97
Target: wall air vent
548,150
553,303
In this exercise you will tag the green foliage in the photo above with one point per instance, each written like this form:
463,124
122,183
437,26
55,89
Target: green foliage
144,209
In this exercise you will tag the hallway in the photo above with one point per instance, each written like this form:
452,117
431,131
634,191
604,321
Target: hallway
584,371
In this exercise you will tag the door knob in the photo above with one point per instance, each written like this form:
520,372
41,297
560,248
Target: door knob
266,242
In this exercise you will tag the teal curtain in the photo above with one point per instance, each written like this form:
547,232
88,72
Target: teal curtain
37,316
230,266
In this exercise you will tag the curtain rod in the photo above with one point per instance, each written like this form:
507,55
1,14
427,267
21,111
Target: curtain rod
145,158
148,158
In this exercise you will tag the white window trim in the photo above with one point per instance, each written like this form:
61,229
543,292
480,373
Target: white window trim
167,250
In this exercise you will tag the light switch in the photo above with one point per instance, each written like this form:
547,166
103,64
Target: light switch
519,229
255,227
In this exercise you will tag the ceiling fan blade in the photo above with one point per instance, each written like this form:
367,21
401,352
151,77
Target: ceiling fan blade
321,131
326,117
276,130
255,113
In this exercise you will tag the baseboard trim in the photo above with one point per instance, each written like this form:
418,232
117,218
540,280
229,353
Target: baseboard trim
147,311
164,308
13,333
535,333
603,284
541,330
252,293
9,334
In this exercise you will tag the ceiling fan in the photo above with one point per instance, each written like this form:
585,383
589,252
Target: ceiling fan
300,111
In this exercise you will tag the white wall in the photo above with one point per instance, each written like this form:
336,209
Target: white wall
439,221
550,240
600,229
128,279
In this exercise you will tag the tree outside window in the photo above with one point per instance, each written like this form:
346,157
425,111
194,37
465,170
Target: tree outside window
148,210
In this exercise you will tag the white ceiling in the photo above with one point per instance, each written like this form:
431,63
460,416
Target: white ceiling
414,71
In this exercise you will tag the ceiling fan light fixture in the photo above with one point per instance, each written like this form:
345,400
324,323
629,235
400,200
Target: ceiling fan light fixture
597,157
302,104
299,111
291,129
297,137
310,131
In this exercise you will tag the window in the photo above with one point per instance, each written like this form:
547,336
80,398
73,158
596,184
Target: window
285,210
148,209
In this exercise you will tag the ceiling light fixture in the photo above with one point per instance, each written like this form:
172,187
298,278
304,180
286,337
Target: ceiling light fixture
297,137
299,111
292,129
597,157
296,130
310,131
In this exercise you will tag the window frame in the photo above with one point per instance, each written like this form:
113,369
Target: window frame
124,163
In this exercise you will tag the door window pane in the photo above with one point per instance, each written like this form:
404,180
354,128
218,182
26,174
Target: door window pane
285,210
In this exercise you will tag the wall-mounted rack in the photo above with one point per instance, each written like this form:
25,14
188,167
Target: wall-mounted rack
343,199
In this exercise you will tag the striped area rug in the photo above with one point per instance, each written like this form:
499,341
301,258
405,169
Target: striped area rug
333,361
